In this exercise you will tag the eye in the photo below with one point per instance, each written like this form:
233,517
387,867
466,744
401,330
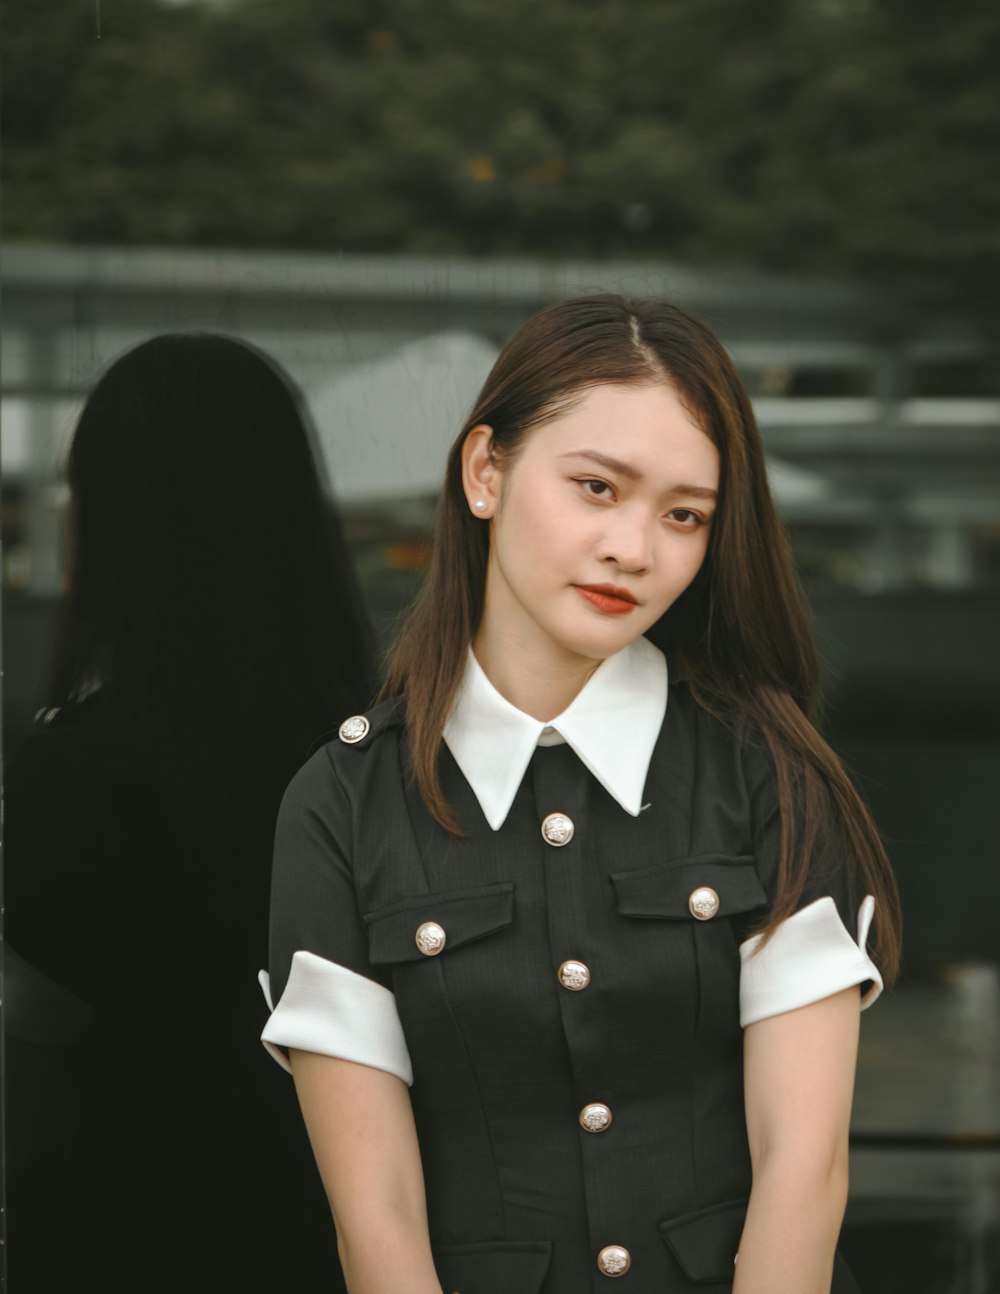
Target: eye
687,519
596,488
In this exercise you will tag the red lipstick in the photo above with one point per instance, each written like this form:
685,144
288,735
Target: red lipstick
608,598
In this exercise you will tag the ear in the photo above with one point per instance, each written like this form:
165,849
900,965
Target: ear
480,472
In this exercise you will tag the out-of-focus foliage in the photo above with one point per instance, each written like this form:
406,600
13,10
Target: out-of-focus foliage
822,135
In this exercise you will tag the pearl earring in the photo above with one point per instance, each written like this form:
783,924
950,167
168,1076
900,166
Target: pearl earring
480,505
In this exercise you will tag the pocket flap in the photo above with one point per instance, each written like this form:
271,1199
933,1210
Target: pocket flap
705,1243
493,1267
664,890
463,915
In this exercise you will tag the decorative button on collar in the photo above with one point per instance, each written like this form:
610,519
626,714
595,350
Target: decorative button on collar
595,1117
703,903
354,729
557,829
430,938
614,1260
574,975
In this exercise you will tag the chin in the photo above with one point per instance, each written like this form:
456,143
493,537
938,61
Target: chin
598,646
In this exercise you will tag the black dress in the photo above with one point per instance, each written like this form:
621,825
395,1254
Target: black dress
163,1151
562,979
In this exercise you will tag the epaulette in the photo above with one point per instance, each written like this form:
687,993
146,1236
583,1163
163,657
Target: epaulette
361,729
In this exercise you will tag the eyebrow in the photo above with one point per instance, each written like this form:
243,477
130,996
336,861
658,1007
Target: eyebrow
633,474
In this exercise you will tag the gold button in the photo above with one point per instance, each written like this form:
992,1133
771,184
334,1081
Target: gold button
430,938
354,729
595,1117
574,976
703,903
557,829
614,1260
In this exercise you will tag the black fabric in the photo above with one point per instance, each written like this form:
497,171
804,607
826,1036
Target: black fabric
161,1150
39,1011
504,1057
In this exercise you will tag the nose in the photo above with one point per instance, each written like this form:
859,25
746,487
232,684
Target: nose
628,540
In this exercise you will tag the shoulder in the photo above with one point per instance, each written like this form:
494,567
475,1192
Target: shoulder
716,718
727,745
348,761
75,748
79,802
361,731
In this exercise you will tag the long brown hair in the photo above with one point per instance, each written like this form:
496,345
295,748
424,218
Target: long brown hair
741,633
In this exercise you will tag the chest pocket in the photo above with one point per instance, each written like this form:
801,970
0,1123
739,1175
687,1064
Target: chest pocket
707,902
431,924
700,888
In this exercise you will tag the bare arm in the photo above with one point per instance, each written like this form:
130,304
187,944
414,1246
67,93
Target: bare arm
361,1127
798,1082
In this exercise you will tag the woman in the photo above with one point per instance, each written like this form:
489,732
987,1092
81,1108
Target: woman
611,927
211,628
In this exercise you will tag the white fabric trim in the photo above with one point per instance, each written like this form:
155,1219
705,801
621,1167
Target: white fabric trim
612,725
329,1009
810,956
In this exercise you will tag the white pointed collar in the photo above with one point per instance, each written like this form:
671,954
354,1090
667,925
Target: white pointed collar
612,725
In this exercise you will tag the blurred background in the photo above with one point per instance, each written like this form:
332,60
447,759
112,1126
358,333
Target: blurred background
377,192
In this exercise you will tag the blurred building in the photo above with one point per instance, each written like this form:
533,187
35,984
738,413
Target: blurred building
891,418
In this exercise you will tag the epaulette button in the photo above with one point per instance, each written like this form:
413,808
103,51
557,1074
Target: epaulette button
354,729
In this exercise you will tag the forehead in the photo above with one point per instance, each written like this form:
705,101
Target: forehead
645,426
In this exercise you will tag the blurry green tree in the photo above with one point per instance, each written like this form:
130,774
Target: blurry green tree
854,136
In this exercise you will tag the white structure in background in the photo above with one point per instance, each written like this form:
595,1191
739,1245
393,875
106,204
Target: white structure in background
795,487
385,428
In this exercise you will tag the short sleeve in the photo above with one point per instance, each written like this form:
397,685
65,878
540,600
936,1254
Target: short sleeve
323,994
821,948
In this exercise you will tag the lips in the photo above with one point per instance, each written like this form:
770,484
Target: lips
608,598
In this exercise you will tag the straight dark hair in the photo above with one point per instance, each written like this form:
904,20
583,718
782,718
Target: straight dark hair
741,634
209,581
211,603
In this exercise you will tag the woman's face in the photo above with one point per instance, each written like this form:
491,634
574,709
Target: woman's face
599,524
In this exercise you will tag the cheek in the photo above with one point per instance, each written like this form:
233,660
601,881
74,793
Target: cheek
697,556
683,561
525,545
541,521
701,549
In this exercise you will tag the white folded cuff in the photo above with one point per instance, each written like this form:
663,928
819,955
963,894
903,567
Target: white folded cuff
810,956
329,1009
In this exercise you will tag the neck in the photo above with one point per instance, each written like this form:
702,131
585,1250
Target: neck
539,683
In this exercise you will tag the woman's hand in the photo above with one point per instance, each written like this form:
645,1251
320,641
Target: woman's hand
360,1123
798,1083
